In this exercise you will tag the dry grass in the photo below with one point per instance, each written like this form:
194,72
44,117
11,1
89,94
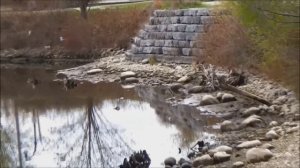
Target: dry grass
104,29
226,44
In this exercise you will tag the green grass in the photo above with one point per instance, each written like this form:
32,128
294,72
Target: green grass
184,5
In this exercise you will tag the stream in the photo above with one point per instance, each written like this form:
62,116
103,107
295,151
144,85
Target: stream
43,124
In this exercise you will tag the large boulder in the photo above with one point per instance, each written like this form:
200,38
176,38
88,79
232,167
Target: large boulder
226,97
257,155
249,144
208,100
221,157
203,160
170,161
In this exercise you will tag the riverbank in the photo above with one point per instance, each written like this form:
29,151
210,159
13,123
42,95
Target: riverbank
242,120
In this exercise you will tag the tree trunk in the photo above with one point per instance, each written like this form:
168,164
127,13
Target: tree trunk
83,8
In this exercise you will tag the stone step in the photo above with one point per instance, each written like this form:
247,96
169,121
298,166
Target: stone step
175,28
168,43
169,35
176,20
173,51
183,12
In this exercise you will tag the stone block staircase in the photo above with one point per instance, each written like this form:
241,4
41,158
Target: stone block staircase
172,35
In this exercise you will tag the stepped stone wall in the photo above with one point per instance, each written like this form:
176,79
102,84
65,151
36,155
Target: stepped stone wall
172,35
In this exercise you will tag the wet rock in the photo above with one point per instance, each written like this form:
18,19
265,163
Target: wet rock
238,164
186,165
170,161
226,97
252,121
226,126
208,100
249,144
184,79
257,155
94,71
131,80
181,161
203,160
219,96
272,135
196,89
267,146
221,157
222,148
127,74
251,111
273,123
61,75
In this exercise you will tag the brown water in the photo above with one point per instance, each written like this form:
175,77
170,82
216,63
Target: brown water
98,124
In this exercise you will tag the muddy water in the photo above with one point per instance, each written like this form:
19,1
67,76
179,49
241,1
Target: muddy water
43,124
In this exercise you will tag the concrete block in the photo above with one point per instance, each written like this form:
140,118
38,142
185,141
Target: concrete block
171,51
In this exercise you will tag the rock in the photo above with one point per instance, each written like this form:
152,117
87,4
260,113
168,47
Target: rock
249,144
250,111
222,148
257,155
267,146
94,71
219,96
181,161
238,164
61,75
208,100
226,126
170,161
131,80
175,86
186,165
273,123
293,129
203,160
145,61
226,97
251,121
196,89
127,74
184,79
272,135
280,100
221,157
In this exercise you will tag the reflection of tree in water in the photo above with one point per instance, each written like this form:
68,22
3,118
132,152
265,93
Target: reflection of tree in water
101,144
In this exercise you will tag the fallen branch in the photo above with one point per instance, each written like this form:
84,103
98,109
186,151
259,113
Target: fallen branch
244,93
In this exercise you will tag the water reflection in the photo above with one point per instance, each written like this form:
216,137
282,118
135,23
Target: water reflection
49,126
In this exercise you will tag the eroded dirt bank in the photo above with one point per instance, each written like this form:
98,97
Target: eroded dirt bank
251,133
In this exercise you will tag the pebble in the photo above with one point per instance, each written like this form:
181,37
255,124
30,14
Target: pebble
203,160
226,97
226,126
249,144
250,111
170,161
251,121
273,123
184,79
272,135
208,100
258,154
127,74
145,61
238,164
131,80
